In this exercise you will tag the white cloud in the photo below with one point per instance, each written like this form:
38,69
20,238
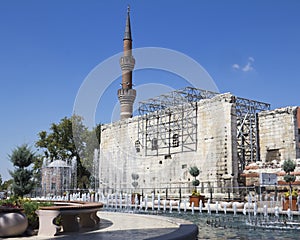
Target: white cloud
247,68
236,66
251,59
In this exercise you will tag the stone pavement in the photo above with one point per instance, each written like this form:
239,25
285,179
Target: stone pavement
122,226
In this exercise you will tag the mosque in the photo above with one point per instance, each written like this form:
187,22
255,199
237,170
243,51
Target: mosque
221,134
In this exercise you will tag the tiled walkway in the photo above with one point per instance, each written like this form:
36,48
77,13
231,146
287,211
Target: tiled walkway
122,226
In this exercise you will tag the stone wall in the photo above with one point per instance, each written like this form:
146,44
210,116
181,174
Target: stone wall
215,155
278,134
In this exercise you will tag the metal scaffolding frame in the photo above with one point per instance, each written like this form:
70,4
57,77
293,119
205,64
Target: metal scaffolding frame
247,130
167,124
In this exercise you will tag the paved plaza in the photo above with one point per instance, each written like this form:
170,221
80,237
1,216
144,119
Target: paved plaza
125,226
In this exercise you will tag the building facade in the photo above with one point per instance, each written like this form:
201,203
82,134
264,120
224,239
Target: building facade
56,178
221,134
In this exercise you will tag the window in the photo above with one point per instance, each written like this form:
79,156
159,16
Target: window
175,142
272,154
137,146
154,144
53,186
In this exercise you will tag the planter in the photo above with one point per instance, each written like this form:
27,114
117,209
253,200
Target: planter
133,197
292,204
196,200
12,222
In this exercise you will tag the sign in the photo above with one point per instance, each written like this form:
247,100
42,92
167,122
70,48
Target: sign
266,179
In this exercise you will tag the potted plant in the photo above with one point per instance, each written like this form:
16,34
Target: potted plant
291,196
13,221
196,196
18,216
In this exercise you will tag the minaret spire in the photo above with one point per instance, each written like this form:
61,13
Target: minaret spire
126,94
127,34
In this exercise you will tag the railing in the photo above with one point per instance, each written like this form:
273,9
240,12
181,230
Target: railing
171,193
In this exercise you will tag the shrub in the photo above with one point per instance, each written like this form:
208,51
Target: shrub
195,193
30,208
289,166
194,171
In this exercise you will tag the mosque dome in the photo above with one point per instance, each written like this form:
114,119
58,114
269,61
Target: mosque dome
58,163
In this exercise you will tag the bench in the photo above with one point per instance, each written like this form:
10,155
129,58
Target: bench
74,216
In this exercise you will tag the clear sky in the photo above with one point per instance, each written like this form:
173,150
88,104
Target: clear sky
47,48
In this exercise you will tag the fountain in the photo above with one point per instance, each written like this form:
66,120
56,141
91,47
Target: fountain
232,220
208,207
234,208
200,206
217,207
141,202
158,202
193,208
178,208
116,201
146,203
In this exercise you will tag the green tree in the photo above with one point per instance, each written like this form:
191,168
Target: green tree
289,166
59,142
91,143
7,184
194,171
22,157
135,177
0,182
67,140
37,170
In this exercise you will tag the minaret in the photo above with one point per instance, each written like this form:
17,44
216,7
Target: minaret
126,94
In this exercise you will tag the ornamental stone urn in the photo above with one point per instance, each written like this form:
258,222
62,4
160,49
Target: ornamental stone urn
12,222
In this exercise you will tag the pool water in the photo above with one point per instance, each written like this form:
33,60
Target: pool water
233,226
229,226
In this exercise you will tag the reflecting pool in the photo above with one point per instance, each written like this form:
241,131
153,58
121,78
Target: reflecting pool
228,226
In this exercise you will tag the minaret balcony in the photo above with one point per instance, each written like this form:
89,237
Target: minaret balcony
126,95
127,63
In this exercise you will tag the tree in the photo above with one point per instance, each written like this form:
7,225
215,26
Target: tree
91,142
59,143
67,140
22,157
289,166
7,184
194,171
135,177
0,182
37,170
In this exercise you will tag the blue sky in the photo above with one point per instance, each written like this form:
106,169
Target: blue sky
47,48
